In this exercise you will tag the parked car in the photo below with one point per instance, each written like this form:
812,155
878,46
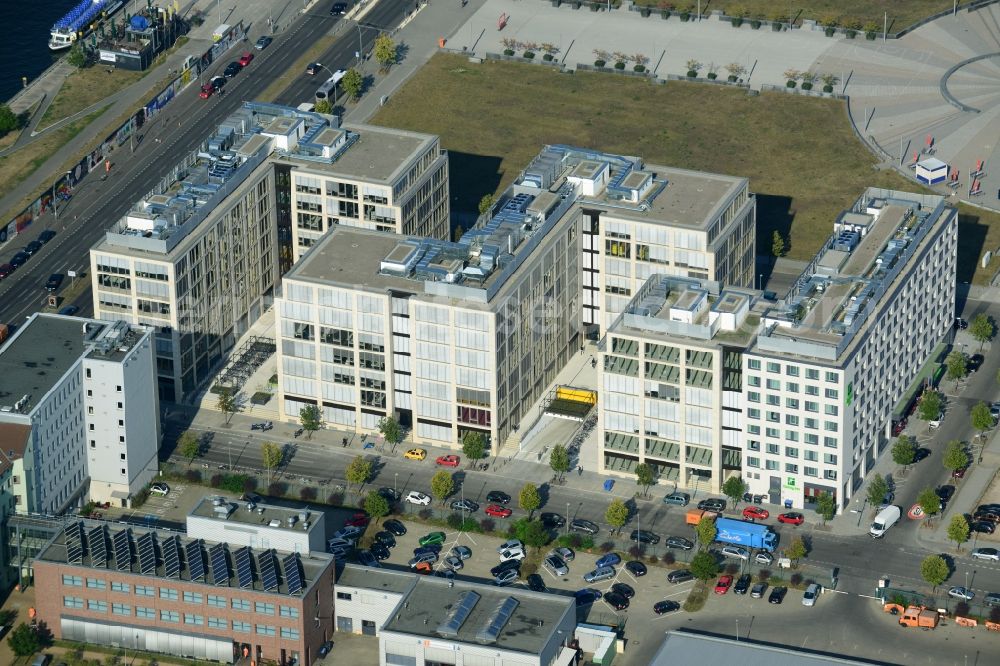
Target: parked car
503,566
232,69
512,554
432,539
585,526
339,547
763,557
736,551
988,516
397,528
448,461
609,560
427,558
33,247
69,310
616,601
263,43
453,563
566,553
498,497
464,505
206,91
742,585
636,568
367,559
536,583
712,504
218,83
357,520
599,573
809,596
430,548
555,565
960,592
961,324
498,511
644,536
418,498
666,606
679,576
623,589
975,362
791,518
380,551
461,552
587,595
982,527
159,488
552,520
723,584
755,513
46,235
989,554
677,499
338,9
19,259
959,473
777,595
944,493
6,270
325,648
758,590
679,543
415,454
506,577
992,599
510,543
390,494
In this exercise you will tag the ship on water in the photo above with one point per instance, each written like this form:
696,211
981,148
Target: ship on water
78,20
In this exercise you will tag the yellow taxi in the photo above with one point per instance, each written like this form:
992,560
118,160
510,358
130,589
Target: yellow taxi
415,454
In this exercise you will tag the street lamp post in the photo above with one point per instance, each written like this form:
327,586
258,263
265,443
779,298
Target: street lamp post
395,477
567,518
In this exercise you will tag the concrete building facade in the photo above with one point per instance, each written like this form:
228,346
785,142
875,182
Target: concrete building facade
90,433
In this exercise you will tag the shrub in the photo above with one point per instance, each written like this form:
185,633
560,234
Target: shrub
619,65
669,558
870,35
487,524
776,27
454,521
692,73
529,567
696,599
335,499
828,89
635,552
712,76
547,57
508,52
606,547
755,24
790,84
277,489
587,543
795,580
216,480
806,85
736,22
653,559
599,63
235,483
732,568
570,541
685,16
851,34
529,55
764,575
425,513
645,11
308,494
830,32
470,525
664,14
639,68
962,609
193,476
731,78
249,484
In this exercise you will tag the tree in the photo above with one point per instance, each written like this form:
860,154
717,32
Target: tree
309,419
982,329
227,403
644,477
386,52
957,364
76,56
442,485
617,514
528,499
359,471
390,430
8,120
458,233
531,532
929,502
778,248
352,83
323,106
904,451
958,530
733,488
474,445
376,506
486,203
955,456
704,566
24,640
796,550
189,445
877,490
706,531
271,455
934,570
559,460
982,419
826,506
930,405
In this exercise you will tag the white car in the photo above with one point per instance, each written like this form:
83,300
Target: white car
417,497
159,488
961,593
809,598
990,554
737,552
509,544
512,554
764,557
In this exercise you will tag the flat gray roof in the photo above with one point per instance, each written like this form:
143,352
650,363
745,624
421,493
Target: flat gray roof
205,508
378,154
384,580
353,256
528,630
682,647
38,355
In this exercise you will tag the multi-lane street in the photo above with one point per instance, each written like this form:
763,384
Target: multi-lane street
183,125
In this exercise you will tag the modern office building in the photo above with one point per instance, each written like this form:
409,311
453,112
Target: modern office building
159,591
424,620
831,362
200,256
75,408
670,384
11,435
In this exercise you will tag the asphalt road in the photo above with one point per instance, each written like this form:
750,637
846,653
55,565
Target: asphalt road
97,203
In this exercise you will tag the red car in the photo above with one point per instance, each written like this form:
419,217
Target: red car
723,585
448,461
498,511
357,520
959,473
206,91
755,513
792,518
245,58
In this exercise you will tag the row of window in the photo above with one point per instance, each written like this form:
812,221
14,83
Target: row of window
793,403
791,370
791,468
170,594
791,387
792,420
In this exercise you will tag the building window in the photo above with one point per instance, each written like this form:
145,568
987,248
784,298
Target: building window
216,601
811,456
145,591
289,633
168,593
830,458
830,475
812,373
773,367
811,471
774,417
289,611
97,606
812,406
811,439
265,630
830,442
773,385
143,612
753,445
72,602
772,432
773,449
830,410
753,380
121,609
346,596
792,387
753,363
196,620
830,426
241,626
216,622
771,464
774,400
812,423
241,604
96,584
753,413
792,435
791,419
263,608
831,394
753,429
832,377
753,462
192,597
812,390
791,403
791,452
753,396
170,616
73,581
792,370
791,469
119,587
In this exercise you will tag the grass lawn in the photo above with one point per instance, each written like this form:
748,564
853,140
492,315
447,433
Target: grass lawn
84,88
494,117
902,13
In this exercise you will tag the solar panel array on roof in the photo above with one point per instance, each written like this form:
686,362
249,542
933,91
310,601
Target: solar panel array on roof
74,543
268,570
220,567
293,573
171,557
97,538
244,566
195,557
147,554
498,620
122,544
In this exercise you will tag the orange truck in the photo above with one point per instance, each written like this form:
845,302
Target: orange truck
694,516
914,616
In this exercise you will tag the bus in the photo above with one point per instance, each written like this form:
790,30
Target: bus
328,90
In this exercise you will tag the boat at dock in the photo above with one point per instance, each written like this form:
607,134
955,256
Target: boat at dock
79,20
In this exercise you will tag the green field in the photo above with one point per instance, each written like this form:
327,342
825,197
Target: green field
494,117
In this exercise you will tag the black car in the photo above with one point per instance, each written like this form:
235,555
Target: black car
712,504
232,69
218,83
920,454
464,505
33,247
536,584
325,648
19,259
498,497
961,324
263,43
394,526
777,595
679,576
742,585
429,548
663,607
616,601
636,568
390,494
504,566
552,520
338,9
644,536
982,527
587,595
385,538
944,493
679,542
585,526
623,589
53,282
46,236
992,508
975,362
379,551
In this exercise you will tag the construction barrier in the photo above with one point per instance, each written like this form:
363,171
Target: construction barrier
966,622
576,395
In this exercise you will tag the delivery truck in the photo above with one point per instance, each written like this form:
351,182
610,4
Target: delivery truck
694,516
743,533
885,519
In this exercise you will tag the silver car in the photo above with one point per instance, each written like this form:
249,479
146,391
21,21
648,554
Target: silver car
737,552
809,597
599,574
505,577
555,565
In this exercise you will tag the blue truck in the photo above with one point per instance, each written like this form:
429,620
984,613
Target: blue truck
743,533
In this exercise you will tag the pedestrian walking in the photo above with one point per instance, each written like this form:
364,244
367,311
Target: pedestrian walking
579,470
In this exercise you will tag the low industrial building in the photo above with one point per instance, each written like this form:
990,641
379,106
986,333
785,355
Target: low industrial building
686,647
257,525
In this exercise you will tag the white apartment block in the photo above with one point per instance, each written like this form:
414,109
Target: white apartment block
833,360
199,257
80,411
670,383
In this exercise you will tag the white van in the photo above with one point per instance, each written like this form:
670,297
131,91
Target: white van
885,519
